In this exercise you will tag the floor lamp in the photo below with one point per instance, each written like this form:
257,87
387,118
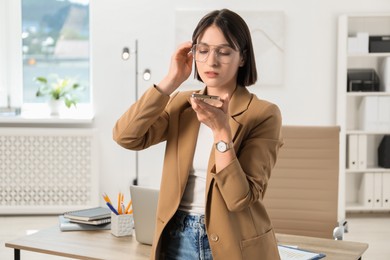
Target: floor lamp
126,53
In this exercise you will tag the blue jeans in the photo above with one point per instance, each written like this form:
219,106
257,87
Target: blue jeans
185,238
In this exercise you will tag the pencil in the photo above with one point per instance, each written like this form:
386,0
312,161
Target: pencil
119,203
128,207
106,198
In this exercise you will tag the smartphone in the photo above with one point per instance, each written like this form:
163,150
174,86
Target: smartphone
211,100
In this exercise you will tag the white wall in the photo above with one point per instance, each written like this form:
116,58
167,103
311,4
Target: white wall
308,96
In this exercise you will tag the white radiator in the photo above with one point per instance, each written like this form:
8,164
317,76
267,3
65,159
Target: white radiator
47,170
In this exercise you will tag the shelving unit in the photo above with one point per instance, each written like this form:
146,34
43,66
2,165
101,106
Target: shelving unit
363,185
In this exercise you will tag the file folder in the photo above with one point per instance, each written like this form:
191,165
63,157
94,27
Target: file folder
366,190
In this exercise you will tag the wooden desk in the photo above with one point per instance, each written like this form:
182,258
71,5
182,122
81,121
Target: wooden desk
103,245
333,249
81,245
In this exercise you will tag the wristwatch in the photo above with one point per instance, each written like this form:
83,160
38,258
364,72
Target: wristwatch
222,147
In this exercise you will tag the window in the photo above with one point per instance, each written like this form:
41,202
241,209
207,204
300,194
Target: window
43,38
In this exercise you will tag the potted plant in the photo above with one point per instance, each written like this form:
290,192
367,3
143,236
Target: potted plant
59,90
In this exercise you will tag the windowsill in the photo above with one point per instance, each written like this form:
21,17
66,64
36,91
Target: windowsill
40,114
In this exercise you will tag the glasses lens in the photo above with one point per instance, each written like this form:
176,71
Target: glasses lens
201,52
224,54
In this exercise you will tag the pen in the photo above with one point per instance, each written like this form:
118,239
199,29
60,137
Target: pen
123,208
112,208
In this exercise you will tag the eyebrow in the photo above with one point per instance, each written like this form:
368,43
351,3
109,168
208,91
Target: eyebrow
218,45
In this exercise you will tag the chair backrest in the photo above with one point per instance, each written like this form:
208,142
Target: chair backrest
302,195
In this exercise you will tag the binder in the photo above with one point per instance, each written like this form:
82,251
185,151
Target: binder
384,152
386,190
352,152
377,190
366,190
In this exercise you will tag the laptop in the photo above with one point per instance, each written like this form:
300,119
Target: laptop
144,212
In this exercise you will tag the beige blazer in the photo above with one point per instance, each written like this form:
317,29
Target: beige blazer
237,224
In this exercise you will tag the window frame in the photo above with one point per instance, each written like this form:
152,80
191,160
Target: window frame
11,67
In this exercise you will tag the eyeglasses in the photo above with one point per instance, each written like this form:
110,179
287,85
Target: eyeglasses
224,54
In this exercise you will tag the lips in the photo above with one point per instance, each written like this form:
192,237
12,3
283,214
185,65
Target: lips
211,74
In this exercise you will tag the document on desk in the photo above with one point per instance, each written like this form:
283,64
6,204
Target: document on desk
294,253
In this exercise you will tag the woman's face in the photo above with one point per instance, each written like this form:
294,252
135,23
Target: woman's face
216,62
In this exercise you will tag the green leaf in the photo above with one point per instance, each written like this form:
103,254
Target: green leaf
42,80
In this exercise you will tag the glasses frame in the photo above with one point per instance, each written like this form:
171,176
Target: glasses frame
214,48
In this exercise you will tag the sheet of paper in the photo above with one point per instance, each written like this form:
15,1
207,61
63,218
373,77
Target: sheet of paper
294,253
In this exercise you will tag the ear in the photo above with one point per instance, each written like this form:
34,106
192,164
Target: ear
242,59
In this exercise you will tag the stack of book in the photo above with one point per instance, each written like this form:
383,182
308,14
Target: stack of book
97,218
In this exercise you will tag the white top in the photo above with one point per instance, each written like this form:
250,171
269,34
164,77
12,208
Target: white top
193,200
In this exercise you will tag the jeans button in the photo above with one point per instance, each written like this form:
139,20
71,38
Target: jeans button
214,237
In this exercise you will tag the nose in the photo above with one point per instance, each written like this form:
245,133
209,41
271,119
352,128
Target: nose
212,59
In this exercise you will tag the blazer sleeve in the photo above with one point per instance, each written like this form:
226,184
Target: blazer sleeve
144,123
244,180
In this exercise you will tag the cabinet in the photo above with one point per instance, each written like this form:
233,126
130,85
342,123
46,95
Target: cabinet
363,117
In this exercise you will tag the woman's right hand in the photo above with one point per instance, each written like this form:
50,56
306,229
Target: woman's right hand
179,70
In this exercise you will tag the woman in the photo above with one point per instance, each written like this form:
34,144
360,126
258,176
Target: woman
218,158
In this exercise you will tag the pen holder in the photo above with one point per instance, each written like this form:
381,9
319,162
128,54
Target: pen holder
122,225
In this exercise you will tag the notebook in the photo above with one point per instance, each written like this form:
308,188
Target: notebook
89,214
66,225
144,212
96,222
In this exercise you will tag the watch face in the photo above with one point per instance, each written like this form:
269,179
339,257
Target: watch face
221,146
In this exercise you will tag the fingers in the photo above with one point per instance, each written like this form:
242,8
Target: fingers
180,68
225,103
205,112
184,49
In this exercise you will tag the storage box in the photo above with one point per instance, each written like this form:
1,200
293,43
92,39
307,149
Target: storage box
358,44
384,152
379,43
374,113
384,75
362,80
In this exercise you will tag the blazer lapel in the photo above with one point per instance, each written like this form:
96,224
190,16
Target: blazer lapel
238,104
